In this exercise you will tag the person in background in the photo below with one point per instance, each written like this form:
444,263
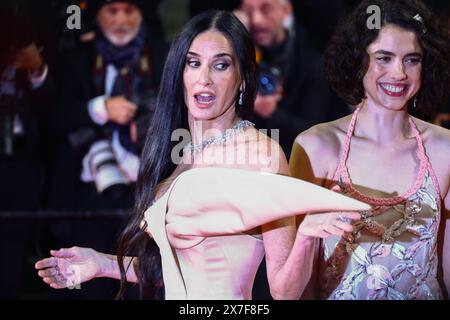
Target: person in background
26,94
104,106
106,101
294,94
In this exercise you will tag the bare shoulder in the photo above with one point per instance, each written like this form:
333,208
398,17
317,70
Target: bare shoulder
437,146
316,151
267,152
324,141
436,138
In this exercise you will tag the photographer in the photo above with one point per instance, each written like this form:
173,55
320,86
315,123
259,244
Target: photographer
293,93
26,92
105,106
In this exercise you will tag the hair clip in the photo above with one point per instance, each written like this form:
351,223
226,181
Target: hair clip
419,19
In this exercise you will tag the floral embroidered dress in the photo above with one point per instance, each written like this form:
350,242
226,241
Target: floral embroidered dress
392,252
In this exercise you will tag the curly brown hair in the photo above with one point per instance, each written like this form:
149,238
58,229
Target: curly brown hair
347,61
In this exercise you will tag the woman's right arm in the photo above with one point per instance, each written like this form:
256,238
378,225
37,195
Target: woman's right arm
308,162
69,267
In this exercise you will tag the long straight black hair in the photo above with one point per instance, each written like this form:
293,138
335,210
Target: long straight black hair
171,114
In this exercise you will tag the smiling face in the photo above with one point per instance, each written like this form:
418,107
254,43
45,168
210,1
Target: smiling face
119,22
211,76
395,68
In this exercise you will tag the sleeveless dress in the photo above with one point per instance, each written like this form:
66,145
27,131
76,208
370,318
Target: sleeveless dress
392,252
211,256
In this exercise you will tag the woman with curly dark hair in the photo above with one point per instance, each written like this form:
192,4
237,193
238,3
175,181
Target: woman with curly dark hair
384,156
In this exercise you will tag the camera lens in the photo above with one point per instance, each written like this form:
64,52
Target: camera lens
104,167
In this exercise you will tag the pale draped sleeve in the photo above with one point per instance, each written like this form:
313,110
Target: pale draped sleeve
208,202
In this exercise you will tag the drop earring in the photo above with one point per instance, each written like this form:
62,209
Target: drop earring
241,98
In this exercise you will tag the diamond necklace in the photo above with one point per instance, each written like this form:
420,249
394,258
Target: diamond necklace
222,139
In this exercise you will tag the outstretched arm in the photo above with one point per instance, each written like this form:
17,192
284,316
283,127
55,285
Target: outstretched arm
68,268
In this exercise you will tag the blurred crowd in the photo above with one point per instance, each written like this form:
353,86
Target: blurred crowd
75,105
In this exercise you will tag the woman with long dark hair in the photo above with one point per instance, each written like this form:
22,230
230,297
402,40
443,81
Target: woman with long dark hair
384,156
209,227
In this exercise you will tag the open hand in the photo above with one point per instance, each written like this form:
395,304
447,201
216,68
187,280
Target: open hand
68,268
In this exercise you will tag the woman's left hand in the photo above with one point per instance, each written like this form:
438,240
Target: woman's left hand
69,267
322,225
